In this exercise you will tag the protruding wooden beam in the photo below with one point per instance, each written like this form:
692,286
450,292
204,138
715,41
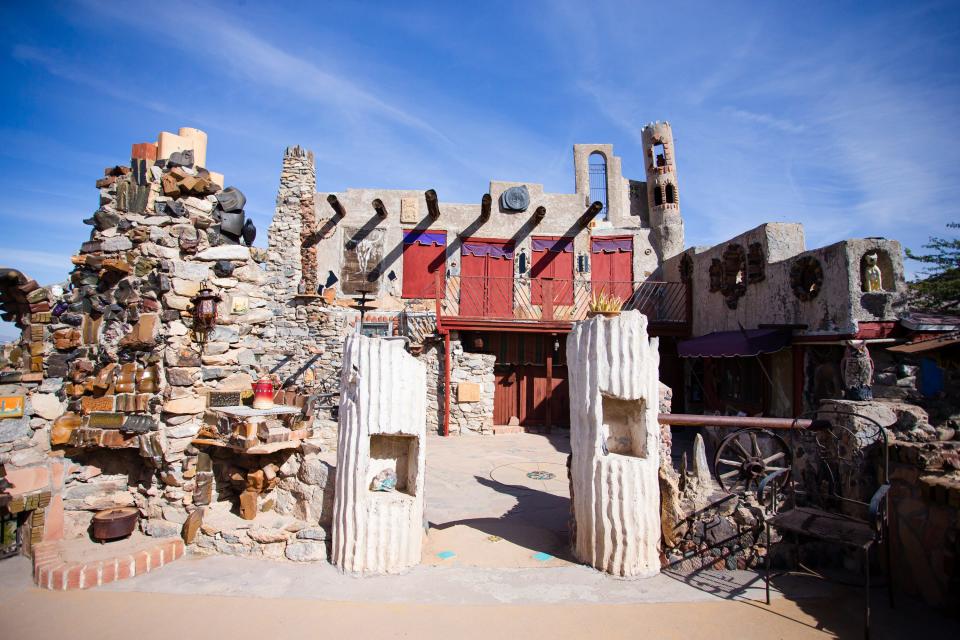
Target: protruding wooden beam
592,212
379,207
337,205
539,214
433,208
485,203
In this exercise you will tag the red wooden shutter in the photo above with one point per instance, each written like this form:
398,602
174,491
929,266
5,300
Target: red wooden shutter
611,266
423,256
550,263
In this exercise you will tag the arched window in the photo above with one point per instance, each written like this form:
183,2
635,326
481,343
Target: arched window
671,195
598,182
657,196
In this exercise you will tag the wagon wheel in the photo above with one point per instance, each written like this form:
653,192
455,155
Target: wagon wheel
747,456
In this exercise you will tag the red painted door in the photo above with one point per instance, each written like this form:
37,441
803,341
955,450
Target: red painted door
423,256
611,266
552,258
486,282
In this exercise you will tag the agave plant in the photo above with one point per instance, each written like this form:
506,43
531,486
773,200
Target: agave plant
601,302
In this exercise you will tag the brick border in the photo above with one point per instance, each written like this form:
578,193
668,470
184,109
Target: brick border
51,571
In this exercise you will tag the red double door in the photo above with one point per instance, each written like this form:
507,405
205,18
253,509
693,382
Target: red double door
486,279
531,379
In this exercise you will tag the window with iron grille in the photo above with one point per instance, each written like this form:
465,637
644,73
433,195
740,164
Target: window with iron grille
598,182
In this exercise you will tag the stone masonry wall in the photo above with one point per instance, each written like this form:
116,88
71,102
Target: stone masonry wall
125,381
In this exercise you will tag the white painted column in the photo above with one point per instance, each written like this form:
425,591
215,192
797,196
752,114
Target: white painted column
614,436
382,426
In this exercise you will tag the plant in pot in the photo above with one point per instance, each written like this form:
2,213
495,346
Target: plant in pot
604,304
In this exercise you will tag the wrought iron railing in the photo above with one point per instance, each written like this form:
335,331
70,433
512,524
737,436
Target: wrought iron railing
556,300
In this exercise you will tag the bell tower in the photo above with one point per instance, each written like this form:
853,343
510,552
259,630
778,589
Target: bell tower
663,195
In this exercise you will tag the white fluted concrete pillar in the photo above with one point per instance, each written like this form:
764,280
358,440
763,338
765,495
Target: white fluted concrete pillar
614,433
382,430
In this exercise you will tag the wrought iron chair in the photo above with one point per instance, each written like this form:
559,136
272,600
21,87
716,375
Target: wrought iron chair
828,492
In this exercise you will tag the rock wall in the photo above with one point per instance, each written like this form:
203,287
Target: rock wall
615,443
378,506
124,382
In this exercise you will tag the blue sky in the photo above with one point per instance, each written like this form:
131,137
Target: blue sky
840,115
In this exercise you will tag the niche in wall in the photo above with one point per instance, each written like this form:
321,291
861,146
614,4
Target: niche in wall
625,425
806,278
397,452
733,282
883,263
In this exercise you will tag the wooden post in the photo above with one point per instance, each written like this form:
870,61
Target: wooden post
798,370
546,299
549,351
433,207
592,211
485,204
379,207
336,205
439,292
539,214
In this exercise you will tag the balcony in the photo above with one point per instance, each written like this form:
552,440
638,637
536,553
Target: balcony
538,304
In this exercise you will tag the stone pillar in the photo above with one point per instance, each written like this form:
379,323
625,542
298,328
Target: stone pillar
382,434
615,443
298,184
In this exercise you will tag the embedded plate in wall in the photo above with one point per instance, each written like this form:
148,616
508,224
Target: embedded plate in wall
515,199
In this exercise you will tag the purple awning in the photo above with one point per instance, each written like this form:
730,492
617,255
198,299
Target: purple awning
559,245
611,245
732,344
482,249
426,238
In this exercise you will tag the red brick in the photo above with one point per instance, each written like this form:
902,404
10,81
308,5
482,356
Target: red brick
72,576
157,557
125,567
90,575
142,562
56,574
109,571
41,575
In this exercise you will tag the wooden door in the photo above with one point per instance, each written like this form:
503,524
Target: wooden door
611,268
506,401
552,258
486,283
423,256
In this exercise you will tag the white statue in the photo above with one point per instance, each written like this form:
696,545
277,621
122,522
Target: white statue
872,278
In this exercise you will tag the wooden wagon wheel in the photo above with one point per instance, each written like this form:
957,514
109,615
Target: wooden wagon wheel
747,456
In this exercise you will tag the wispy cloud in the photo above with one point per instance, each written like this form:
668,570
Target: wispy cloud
34,258
766,120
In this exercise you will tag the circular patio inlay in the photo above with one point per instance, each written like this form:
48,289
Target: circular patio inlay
541,475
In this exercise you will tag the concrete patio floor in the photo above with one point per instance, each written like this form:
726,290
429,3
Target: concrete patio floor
492,504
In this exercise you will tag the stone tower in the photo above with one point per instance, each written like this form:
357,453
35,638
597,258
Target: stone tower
294,219
663,194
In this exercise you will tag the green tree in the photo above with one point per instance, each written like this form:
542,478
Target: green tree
938,288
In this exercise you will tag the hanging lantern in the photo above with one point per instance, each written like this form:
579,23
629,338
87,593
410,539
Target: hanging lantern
204,312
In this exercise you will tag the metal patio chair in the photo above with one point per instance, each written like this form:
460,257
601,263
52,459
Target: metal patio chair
828,492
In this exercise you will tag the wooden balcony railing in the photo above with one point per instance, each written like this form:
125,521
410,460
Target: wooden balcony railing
554,300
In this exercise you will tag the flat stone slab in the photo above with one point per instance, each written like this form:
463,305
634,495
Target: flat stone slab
250,412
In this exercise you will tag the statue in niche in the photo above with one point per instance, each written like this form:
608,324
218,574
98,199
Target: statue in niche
857,368
872,277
